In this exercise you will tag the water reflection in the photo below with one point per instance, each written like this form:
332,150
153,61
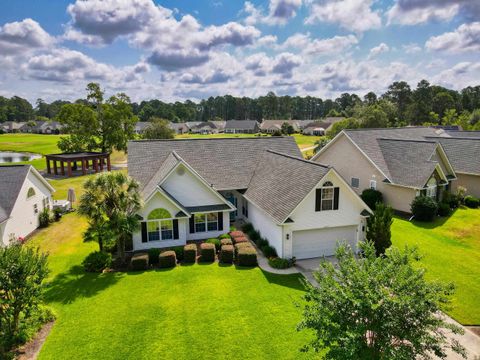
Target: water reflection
13,157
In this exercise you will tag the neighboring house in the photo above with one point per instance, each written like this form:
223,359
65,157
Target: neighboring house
242,127
320,127
207,127
12,126
400,162
180,128
270,126
140,127
220,125
42,127
194,189
23,194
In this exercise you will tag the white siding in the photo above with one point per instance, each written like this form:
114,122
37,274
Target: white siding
23,220
266,226
188,189
210,234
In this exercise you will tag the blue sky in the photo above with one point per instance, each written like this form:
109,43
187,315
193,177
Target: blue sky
174,50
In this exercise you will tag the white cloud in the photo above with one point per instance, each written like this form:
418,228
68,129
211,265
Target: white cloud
23,36
466,38
459,76
377,50
412,48
354,15
309,46
285,63
279,12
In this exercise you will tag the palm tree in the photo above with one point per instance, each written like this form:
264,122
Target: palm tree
111,201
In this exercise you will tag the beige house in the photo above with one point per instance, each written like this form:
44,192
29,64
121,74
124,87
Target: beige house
401,163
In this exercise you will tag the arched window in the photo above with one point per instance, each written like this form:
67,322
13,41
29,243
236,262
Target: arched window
30,193
159,213
432,188
327,183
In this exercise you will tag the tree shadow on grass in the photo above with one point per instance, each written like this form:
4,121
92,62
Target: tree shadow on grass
293,281
437,222
66,287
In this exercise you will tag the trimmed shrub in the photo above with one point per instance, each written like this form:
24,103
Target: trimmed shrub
226,242
97,261
424,208
471,201
207,252
451,199
215,242
237,233
269,251
444,209
190,253
226,254
224,236
279,263
167,259
178,252
247,227
241,246
153,256
262,242
44,218
232,228
240,239
139,261
247,256
255,235
371,197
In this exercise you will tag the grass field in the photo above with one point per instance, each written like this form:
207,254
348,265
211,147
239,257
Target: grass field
451,249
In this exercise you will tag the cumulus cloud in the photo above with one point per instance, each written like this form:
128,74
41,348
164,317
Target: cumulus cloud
22,36
412,48
413,12
459,76
466,38
279,12
377,50
329,46
285,63
354,15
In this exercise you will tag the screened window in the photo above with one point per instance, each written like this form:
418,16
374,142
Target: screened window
159,225
167,229
355,182
200,225
153,231
206,222
212,222
327,196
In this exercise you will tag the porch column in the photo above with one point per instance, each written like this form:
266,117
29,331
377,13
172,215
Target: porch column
109,168
69,168
87,164
95,165
83,167
101,164
62,167
55,171
48,165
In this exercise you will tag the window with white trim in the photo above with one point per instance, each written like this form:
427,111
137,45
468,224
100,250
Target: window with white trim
373,184
160,225
35,209
327,196
355,182
431,190
206,222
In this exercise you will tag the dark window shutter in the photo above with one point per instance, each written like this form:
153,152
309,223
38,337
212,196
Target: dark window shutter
336,194
318,199
220,221
144,232
175,229
192,224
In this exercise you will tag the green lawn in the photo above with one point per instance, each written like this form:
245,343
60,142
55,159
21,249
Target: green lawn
199,311
451,249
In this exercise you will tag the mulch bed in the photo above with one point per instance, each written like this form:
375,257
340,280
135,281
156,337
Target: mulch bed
31,349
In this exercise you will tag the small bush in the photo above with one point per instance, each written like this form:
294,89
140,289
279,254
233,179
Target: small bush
153,256
247,227
269,251
247,256
97,261
471,202
237,233
224,236
226,242
279,263
424,208
371,197
178,252
240,239
226,254
444,209
241,246
232,228
167,259
215,242
451,199
255,235
190,253
139,262
44,218
207,252
262,242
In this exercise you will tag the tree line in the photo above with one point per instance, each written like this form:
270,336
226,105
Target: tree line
400,105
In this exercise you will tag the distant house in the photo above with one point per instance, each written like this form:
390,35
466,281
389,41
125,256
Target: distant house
270,126
23,194
242,127
12,126
42,127
180,128
140,127
320,127
207,127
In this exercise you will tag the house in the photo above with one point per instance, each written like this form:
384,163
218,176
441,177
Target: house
207,127
194,189
399,162
12,126
220,125
271,126
242,127
180,128
320,127
23,194
140,127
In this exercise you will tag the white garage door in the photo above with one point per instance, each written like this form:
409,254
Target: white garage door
322,242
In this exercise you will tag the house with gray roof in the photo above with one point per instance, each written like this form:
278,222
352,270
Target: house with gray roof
242,127
193,189
23,194
403,163
206,127
271,126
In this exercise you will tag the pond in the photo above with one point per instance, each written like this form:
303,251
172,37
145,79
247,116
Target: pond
13,157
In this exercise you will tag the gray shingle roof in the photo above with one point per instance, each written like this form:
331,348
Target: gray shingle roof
168,164
226,163
241,124
463,134
12,178
281,182
463,153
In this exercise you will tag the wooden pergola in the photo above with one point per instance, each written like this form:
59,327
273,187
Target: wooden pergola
94,159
